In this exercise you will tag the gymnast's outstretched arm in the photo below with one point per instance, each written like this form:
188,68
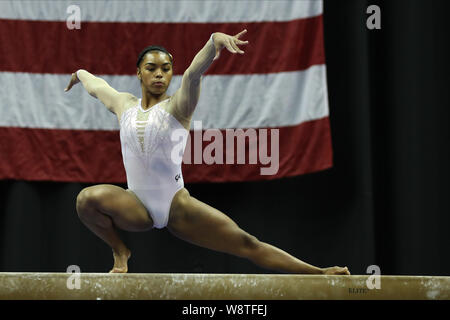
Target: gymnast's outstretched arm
101,90
186,98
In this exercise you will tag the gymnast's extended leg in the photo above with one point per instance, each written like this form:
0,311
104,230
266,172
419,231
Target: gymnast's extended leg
203,225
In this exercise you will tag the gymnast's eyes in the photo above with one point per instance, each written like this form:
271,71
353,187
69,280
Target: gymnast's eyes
153,69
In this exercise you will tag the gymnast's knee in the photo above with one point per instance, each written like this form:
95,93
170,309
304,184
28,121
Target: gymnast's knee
88,198
249,244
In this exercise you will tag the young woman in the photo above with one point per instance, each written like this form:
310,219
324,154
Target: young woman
156,196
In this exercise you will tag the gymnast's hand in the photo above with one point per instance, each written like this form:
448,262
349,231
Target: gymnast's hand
73,80
222,40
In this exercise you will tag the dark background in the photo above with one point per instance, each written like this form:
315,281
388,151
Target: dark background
384,202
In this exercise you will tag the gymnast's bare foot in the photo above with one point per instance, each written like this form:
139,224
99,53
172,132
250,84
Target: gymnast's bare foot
121,261
336,271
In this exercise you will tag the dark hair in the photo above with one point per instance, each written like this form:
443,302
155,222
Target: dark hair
152,48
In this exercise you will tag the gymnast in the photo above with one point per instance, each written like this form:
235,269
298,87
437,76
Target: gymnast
156,197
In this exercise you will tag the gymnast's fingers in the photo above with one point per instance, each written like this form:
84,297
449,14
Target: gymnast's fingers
240,33
229,46
240,42
73,80
235,47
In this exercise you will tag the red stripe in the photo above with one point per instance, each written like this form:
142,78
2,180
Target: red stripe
304,148
112,48
95,156
60,155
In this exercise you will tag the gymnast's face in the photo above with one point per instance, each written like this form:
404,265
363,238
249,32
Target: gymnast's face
155,72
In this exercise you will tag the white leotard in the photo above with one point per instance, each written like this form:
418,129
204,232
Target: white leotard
153,173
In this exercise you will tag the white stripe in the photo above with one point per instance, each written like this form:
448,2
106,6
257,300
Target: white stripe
163,11
231,101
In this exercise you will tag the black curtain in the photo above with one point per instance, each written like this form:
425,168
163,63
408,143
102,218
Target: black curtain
384,202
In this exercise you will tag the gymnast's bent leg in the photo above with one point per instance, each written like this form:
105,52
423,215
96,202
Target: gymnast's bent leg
205,226
103,208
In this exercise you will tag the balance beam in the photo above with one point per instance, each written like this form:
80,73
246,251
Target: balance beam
157,286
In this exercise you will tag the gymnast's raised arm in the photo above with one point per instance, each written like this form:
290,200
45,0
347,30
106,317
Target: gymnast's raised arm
100,89
186,98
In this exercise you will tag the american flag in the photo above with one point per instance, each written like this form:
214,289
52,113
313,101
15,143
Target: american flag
277,86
